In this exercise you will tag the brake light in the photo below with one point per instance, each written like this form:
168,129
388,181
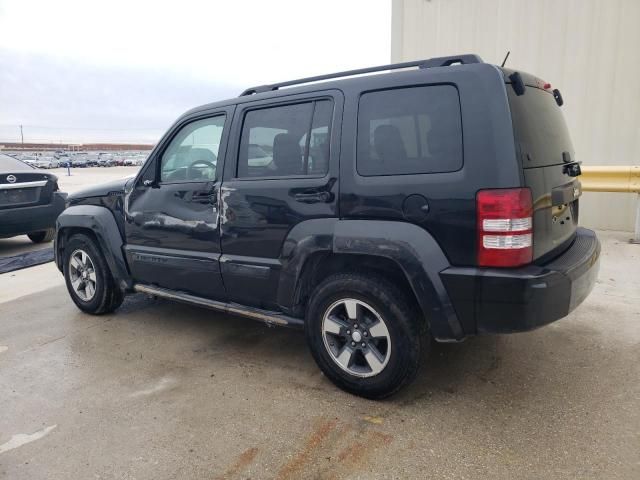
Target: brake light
505,227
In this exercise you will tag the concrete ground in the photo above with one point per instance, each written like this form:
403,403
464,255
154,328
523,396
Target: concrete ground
79,179
162,390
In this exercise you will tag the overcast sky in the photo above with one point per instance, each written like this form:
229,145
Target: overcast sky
82,71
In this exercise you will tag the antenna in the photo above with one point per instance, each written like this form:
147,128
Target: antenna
505,58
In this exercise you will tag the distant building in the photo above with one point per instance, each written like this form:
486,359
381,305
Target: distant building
589,49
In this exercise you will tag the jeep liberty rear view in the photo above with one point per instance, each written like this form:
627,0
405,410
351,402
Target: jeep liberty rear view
378,209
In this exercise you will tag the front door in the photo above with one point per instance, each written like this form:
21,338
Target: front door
172,222
282,170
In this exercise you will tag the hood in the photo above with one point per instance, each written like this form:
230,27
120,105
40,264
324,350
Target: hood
115,187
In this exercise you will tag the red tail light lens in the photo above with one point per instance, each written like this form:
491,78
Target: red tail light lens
505,227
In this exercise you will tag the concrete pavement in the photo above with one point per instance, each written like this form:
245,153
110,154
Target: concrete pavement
162,390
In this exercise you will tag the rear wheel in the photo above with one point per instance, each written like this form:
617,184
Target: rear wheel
365,334
43,236
88,277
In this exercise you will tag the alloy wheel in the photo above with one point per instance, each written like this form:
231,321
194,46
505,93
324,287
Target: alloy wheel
356,337
82,275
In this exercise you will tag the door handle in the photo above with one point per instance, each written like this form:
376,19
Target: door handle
204,197
314,197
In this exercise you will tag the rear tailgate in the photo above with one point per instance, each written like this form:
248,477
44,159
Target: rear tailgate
25,189
544,147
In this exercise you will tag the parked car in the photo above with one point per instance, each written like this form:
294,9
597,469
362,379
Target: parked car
355,208
46,162
29,159
105,161
30,201
92,160
79,161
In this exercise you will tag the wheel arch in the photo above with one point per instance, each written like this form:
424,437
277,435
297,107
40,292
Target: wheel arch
97,222
405,252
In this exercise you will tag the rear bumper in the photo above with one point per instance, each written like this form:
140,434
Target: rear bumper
521,299
19,221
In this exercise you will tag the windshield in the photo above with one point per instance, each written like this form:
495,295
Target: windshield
539,128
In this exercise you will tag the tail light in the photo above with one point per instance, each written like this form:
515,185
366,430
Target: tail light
505,227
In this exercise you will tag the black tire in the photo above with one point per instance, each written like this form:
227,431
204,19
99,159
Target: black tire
43,236
107,296
408,336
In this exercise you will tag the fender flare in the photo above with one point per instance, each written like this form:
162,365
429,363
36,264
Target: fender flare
102,224
412,248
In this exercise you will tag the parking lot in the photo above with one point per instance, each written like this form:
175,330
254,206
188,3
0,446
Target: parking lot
164,390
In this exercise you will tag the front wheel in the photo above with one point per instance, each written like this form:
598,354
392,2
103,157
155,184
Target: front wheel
88,277
365,334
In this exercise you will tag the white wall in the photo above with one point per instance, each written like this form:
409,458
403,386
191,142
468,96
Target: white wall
589,49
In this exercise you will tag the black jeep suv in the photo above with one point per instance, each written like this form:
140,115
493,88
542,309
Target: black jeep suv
436,199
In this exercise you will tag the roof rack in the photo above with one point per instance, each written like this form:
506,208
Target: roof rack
429,63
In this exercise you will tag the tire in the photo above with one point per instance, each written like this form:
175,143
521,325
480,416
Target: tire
43,236
396,357
104,296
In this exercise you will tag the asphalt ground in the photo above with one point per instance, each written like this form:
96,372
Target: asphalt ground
163,390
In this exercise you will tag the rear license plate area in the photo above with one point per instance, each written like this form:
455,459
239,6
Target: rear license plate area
17,197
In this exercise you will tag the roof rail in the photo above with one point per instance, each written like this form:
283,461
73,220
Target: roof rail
429,63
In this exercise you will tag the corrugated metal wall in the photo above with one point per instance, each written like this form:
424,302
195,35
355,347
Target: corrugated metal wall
589,49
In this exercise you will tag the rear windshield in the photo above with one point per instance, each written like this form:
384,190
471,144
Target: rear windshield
540,132
10,164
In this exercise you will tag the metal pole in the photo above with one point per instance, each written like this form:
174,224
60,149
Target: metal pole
636,235
21,136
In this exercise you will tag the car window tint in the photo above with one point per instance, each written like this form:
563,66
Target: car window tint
275,141
409,130
192,155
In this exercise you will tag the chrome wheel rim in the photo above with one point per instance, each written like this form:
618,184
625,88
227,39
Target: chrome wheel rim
356,337
82,275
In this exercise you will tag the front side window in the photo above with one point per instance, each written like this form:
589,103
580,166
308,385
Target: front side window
287,140
192,155
409,131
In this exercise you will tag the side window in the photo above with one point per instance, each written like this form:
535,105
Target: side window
287,140
409,130
192,155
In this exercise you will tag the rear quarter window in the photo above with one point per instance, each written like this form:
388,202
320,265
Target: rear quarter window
407,131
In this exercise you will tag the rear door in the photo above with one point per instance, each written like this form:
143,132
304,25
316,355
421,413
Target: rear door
544,148
282,169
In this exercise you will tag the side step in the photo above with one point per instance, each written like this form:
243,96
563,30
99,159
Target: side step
266,316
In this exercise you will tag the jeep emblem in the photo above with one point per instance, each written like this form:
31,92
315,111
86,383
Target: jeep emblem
11,178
